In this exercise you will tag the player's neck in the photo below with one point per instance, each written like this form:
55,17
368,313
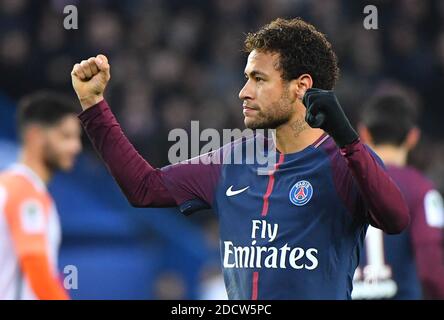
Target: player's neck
295,136
392,155
36,164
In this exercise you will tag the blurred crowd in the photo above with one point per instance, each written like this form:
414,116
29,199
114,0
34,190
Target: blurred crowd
173,61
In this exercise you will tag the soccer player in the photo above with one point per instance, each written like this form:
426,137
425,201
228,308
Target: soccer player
409,265
29,224
297,232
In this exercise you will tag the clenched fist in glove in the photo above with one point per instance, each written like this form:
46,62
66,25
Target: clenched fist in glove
325,112
89,79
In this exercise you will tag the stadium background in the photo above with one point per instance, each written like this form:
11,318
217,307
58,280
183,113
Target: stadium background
175,61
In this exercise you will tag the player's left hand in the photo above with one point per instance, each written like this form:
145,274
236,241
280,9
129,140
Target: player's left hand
325,112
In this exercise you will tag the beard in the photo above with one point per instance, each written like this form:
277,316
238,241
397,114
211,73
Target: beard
272,117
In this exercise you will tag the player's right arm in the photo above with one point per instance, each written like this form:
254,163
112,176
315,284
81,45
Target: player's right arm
143,185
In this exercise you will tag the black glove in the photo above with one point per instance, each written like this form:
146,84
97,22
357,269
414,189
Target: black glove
325,112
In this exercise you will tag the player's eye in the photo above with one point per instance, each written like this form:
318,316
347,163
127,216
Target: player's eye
258,79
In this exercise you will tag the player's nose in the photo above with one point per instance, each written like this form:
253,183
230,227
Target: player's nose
246,92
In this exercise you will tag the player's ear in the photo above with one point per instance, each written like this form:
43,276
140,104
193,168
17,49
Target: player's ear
412,138
365,135
300,85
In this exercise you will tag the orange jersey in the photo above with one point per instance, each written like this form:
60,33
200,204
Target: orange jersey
29,231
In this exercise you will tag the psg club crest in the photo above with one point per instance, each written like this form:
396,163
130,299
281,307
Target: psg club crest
301,193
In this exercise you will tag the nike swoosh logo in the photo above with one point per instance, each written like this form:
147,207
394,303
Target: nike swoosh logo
231,193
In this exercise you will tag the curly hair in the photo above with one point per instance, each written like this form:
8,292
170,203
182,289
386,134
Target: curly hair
301,48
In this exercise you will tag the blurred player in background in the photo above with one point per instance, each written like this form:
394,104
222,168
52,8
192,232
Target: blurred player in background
30,232
409,265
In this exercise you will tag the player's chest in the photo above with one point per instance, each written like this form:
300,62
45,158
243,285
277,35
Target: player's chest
287,193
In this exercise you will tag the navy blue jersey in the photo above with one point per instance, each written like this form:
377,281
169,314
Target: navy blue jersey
290,234
294,233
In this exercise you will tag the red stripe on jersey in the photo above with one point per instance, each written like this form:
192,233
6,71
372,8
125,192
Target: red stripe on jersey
270,185
254,291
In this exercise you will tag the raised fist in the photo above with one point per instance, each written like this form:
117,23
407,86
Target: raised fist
89,79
